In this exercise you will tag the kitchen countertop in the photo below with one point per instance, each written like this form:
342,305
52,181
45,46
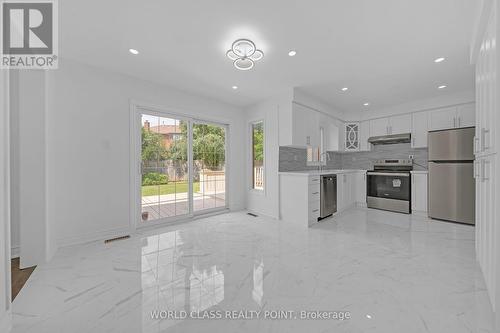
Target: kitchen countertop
318,173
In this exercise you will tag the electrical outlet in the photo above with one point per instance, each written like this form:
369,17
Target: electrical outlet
410,157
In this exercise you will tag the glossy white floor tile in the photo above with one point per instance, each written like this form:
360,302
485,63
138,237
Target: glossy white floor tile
392,272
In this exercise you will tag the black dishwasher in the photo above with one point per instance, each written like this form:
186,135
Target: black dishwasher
328,195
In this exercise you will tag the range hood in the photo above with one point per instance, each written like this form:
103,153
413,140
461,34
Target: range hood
390,139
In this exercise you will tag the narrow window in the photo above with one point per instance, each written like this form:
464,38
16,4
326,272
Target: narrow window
258,155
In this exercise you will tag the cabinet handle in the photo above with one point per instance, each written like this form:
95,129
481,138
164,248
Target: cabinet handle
454,122
315,192
484,131
483,166
476,170
476,144
315,210
459,121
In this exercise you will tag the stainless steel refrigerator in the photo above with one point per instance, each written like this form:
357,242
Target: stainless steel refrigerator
451,175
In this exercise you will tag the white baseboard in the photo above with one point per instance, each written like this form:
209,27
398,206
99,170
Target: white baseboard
419,213
93,237
14,252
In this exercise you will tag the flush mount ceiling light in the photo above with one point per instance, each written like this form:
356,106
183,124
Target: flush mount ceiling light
366,104
345,89
439,60
133,51
235,87
442,87
292,53
243,53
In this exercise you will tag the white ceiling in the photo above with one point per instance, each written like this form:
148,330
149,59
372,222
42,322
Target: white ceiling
382,50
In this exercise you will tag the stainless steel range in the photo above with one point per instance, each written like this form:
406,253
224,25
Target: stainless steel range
389,185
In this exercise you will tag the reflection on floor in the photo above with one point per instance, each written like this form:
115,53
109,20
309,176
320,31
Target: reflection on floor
19,276
392,272
178,205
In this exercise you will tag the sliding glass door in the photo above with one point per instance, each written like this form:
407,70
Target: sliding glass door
183,167
209,166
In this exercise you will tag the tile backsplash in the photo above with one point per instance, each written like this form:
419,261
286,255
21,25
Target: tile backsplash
294,159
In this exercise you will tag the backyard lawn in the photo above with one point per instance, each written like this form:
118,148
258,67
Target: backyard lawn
169,188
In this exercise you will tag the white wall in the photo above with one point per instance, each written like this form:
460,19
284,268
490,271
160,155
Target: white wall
267,202
5,293
301,97
88,147
418,105
15,228
29,143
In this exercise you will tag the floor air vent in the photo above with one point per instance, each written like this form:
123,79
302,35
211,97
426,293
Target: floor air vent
252,214
116,239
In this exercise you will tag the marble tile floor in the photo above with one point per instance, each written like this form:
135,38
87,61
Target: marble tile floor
390,272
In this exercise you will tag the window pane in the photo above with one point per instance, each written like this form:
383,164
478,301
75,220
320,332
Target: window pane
258,155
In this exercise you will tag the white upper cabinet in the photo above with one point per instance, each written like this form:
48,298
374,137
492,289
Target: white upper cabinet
420,128
351,136
452,117
466,115
305,125
379,126
364,134
390,125
442,118
400,124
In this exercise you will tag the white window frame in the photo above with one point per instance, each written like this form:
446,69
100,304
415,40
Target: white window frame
250,156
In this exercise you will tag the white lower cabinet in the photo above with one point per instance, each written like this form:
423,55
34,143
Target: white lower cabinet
300,195
351,189
360,188
486,219
419,192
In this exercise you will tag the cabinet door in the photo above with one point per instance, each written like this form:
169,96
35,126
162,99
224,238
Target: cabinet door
360,187
364,134
443,118
466,115
340,192
419,130
400,124
419,192
379,127
305,127
349,189
351,136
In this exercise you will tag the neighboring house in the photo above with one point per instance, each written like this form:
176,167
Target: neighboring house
170,133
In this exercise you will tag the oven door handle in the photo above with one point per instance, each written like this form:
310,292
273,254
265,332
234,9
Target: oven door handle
388,174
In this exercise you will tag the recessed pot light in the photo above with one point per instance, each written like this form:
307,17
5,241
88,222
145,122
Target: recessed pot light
133,51
366,104
235,87
442,87
345,89
292,53
439,60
